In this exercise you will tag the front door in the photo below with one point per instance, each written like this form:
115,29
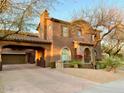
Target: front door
87,55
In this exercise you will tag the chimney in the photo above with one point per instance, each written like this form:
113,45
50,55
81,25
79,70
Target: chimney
43,24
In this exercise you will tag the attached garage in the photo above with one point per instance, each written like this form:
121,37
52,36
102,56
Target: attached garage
16,56
10,56
13,58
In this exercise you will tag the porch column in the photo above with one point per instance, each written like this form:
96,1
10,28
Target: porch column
51,53
38,55
93,58
40,61
0,58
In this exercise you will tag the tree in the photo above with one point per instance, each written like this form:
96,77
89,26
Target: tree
101,18
4,4
114,42
20,15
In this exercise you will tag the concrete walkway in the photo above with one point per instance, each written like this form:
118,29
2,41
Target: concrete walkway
113,87
32,79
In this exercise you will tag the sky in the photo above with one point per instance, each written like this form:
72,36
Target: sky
65,8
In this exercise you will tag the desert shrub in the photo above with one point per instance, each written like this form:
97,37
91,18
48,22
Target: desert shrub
111,63
66,65
100,65
74,63
52,64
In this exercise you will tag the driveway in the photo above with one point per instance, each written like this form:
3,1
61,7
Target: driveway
112,87
31,79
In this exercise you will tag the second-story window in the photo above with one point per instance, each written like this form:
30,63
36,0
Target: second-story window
49,27
93,37
65,31
79,34
49,32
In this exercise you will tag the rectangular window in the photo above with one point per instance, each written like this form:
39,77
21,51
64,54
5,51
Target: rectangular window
93,37
65,31
49,27
49,32
79,34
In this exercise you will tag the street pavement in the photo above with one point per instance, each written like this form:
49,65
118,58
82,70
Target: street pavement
112,87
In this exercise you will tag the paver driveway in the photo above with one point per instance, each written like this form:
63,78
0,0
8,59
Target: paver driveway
31,79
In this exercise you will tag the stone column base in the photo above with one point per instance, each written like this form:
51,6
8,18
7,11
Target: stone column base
59,65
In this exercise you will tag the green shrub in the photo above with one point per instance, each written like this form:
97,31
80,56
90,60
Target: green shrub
111,63
52,64
66,65
76,63
100,65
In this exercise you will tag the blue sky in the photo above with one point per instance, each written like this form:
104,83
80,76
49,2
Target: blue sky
65,8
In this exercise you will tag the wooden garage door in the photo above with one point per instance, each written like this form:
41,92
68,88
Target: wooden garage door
13,59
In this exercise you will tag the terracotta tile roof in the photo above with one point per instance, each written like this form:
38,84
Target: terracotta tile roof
24,38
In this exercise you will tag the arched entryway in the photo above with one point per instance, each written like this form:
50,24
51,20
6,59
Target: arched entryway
65,54
87,55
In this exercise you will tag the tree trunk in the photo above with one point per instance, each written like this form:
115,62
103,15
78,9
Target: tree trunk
0,59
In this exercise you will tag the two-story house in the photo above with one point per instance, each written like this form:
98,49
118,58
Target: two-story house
57,40
70,40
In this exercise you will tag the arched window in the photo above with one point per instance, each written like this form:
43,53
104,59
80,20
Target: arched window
87,55
65,55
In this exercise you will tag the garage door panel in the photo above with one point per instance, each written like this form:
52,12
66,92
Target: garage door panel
13,59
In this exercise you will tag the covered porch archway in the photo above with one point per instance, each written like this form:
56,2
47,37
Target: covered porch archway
22,54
